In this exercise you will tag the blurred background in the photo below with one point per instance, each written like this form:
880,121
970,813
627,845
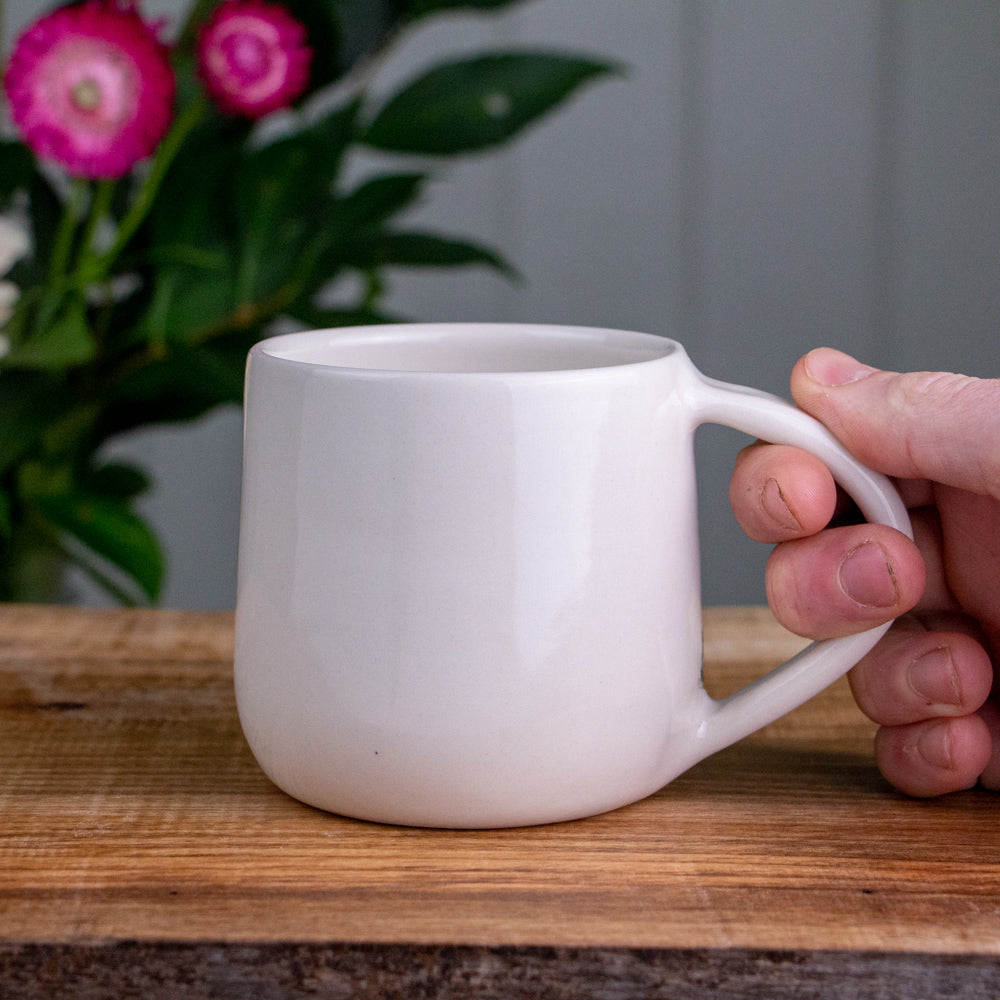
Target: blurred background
771,175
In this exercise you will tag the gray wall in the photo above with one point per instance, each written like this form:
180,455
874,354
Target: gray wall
771,176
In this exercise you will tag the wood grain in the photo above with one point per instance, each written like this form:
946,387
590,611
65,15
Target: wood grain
133,816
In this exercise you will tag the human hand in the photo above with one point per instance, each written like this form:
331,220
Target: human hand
928,683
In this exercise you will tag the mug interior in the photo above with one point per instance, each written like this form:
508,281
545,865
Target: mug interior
471,348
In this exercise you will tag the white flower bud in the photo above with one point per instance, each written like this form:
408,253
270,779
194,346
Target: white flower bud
14,244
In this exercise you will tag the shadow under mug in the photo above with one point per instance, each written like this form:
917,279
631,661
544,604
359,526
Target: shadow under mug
469,587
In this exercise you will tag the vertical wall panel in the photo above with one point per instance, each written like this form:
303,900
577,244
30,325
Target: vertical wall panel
788,156
600,181
769,176
785,246
945,277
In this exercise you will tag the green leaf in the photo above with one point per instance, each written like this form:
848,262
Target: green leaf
118,481
191,291
477,103
64,342
318,318
108,528
422,8
29,402
193,235
70,430
291,173
377,200
38,477
275,192
195,377
182,385
6,522
427,250
283,195
46,212
16,169
324,34
193,204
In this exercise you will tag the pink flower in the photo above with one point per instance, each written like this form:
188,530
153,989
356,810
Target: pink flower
90,86
253,57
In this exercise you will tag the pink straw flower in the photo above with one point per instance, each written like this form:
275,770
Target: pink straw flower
90,86
253,57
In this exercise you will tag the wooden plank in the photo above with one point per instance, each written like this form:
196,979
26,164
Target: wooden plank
132,811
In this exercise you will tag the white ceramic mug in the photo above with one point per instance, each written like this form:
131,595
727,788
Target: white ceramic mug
469,577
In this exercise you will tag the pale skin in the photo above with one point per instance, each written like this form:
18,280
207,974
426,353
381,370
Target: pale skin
933,682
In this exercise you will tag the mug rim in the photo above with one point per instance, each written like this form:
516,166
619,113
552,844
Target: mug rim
585,349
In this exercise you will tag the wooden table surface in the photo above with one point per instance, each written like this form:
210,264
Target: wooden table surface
143,853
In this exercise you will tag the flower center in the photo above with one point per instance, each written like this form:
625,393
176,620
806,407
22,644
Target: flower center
96,86
248,55
86,94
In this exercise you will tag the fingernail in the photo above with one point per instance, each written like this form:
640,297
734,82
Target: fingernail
934,745
776,506
832,368
867,577
933,678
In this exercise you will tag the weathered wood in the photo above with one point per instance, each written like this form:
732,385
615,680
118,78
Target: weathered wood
135,825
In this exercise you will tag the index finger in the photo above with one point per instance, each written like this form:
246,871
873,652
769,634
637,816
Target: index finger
779,493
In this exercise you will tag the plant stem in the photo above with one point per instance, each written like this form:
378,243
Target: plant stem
62,249
63,245
100,203
144,200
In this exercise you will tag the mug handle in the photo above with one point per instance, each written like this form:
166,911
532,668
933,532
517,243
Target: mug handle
797,680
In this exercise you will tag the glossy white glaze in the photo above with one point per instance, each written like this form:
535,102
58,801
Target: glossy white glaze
469,581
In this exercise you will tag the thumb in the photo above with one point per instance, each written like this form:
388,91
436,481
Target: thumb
920,425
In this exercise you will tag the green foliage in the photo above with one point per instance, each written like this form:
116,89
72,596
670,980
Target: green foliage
16,169
106,530
140,298
419,8
474,104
